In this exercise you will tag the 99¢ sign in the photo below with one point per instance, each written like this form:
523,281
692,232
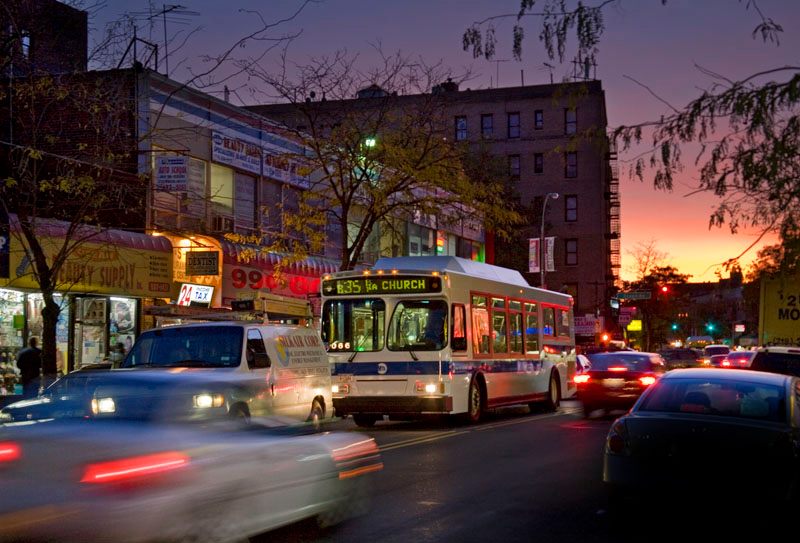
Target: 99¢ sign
256,280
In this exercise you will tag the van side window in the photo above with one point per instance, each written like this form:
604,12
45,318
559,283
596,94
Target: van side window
255,343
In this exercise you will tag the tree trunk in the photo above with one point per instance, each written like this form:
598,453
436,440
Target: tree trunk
50,315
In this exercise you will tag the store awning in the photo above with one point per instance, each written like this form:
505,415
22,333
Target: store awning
251,255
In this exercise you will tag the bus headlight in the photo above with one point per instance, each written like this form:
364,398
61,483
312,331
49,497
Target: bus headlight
103,405
204,401
430,388
340,389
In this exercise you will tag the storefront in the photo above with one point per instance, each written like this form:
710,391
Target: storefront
248,272
102,288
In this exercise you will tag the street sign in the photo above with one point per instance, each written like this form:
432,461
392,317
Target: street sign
635,295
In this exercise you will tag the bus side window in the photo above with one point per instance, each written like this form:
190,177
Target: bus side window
480,325
549,317
531,328
459,332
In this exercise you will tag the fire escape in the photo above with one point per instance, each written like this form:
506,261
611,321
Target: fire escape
613,207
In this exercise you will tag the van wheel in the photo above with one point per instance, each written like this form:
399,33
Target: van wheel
365,421
316,415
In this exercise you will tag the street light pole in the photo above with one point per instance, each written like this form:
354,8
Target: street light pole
554,196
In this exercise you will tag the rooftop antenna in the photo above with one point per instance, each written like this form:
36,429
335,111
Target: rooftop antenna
177,14
497,62
550,67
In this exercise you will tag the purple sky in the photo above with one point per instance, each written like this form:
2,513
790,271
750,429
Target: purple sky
654,44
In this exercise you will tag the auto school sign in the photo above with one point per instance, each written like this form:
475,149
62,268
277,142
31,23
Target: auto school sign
172,173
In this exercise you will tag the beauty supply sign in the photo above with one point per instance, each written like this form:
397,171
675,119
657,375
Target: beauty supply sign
253,158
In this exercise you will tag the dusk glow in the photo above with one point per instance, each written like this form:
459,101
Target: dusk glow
648,58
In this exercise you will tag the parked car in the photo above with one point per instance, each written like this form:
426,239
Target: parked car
616,379
738,359
681,358
138,471
784,360
716,360
726,433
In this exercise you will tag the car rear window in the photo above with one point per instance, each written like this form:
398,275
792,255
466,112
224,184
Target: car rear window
785,363
709,351
632,362
717,397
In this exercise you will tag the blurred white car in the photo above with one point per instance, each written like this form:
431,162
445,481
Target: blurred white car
143,476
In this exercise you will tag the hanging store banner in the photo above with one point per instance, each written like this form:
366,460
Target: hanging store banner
549,254
172,173
533,255
202,263
5,244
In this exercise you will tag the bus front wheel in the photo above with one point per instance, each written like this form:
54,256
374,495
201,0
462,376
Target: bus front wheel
475,402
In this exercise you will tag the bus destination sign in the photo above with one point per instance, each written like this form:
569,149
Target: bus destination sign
355,286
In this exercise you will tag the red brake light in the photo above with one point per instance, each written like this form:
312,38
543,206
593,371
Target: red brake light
726,363
647,380
617,368
137,466
9,451
617,438
580,379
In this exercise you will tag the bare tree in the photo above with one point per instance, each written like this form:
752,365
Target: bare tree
647,258
385,156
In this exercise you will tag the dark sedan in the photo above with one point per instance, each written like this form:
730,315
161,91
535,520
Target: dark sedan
617,379
722,432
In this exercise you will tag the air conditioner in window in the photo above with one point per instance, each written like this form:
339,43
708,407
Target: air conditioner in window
222,224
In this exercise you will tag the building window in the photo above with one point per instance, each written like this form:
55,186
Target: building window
538,163
25,44
571,208
571,246
461,128
513,166
222,188
487,126
513,125
538,119
570,121
571,169
421,241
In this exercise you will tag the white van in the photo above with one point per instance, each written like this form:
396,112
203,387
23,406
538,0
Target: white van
273,370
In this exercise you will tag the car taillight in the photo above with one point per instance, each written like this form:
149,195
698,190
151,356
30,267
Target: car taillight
357,458
617,440
581,379
647,380
136,466
617,368
9,451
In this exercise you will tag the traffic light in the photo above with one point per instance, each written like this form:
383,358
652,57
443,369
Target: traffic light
664,289
710,326
605,338
675,326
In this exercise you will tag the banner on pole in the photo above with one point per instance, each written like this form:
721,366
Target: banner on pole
533,255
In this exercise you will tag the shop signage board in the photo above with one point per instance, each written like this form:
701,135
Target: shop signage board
257,159
196,295
172,173
98,267
202,263
586,326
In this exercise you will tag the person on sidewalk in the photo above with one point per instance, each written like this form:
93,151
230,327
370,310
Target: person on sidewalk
29,362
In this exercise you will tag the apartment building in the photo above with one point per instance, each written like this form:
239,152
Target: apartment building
552,140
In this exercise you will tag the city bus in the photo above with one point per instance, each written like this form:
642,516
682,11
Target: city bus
442,335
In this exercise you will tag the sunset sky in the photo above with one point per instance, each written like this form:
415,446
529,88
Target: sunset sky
656,45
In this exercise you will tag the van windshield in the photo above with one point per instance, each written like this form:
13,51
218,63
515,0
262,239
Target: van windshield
200,346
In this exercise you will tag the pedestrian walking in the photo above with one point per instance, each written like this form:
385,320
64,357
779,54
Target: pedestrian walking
29,362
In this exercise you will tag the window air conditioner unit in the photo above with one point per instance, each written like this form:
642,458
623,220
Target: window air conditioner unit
222,224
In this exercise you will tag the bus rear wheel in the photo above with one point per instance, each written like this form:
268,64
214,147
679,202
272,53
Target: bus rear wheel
553,394
365,421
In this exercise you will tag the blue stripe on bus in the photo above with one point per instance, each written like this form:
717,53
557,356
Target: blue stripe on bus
432,367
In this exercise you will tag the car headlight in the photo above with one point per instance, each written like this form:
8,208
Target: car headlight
5,417
204,401
103,405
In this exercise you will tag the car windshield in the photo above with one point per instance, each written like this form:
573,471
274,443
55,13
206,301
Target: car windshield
719,397
632,362
353,325
193,346
420,325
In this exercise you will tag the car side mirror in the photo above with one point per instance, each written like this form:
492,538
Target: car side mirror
459,344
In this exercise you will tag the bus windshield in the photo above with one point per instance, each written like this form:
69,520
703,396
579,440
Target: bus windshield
353,325
420,325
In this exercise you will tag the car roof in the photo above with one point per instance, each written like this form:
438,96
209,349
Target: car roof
785,349
744,376
624,353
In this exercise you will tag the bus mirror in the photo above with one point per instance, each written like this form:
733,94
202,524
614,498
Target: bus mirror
459,344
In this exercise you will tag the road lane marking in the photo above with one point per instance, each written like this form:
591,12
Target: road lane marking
451,433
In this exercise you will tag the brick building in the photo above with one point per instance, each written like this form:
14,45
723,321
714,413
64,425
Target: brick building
551,139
